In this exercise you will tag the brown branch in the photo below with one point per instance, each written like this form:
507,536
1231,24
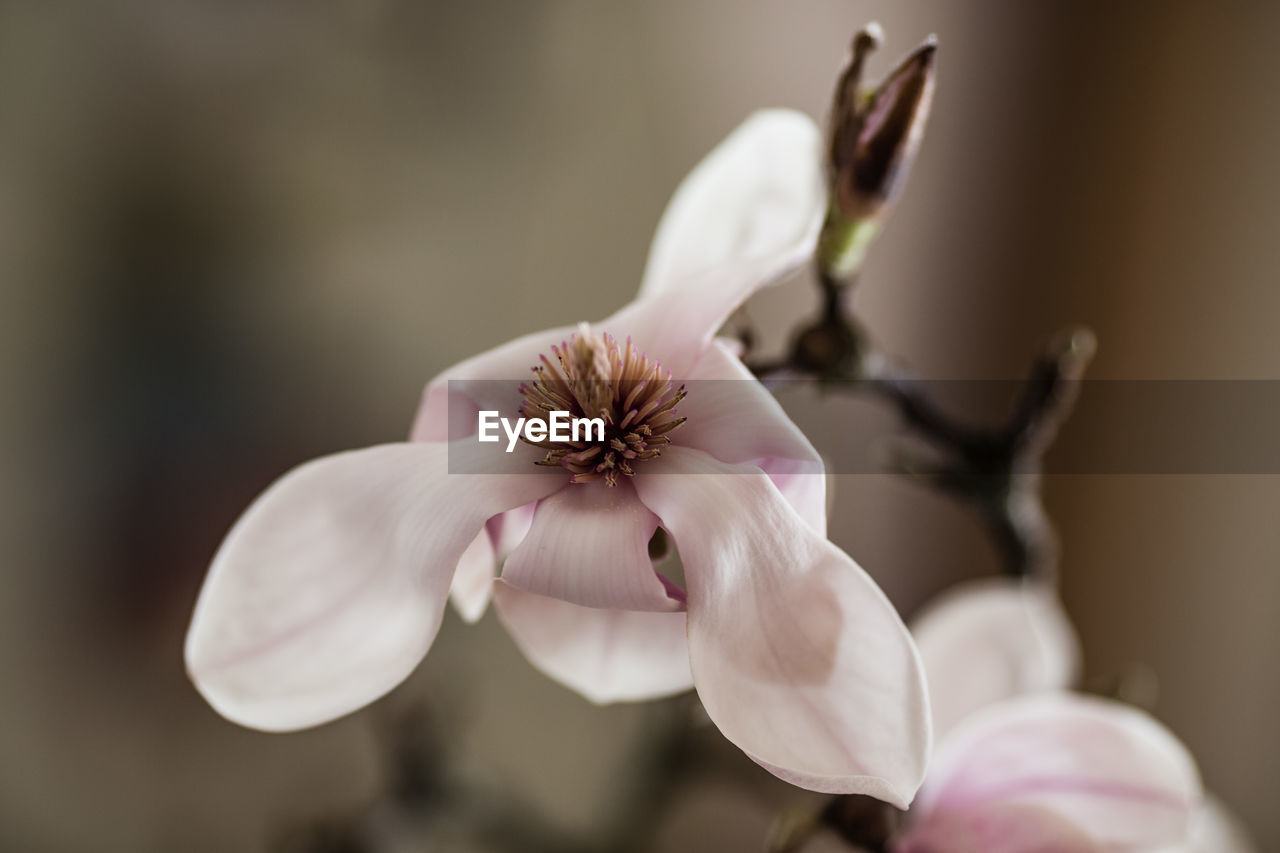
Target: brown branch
994,471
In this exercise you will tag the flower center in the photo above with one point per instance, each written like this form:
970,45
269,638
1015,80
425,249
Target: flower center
593,376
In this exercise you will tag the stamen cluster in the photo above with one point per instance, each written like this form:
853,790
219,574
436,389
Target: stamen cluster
592,376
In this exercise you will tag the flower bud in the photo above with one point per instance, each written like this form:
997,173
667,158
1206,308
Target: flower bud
874,137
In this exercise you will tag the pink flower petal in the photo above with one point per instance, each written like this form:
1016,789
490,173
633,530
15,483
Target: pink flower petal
473,581
589,545
735,419
605,655
997,828
805,490
798,657
1111,770
1214,829
759,197
490,380
330,588
744,216
990,640
675,328
509,529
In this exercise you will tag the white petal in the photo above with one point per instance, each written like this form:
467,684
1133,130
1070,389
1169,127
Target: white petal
589,545
744,216
996,828
451,401
990,640
805,490
330,588
734,418
509,529
605,655
1214,829
675,328
760,196
473,580
797,655
1111,770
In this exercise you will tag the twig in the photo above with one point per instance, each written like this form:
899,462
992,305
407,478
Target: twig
995,471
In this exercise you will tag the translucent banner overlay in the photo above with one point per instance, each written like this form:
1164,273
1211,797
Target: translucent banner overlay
1118,427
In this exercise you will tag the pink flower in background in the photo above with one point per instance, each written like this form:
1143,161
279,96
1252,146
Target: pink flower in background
988,640
1214,829
1022,766
1055,773
331,587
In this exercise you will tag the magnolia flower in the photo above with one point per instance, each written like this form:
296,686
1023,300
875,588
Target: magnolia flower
331,587
1055,773
1023,765
1214,829
993,639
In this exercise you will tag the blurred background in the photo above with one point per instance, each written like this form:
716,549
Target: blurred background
237,235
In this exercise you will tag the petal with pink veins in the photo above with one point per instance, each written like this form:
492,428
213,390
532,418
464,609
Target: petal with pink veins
605,655
990,640
589,545
330,588
797,655
1109,769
